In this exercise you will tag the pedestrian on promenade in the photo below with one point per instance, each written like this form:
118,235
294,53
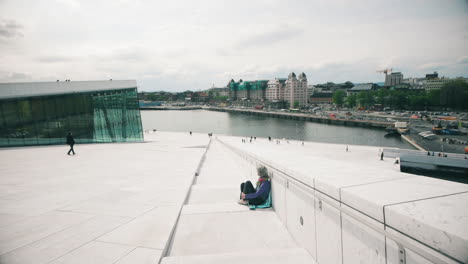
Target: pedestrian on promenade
269,138
381,156
256,196
71,142
190,132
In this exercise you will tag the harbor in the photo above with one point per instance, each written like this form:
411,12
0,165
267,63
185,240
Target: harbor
371,121
307,117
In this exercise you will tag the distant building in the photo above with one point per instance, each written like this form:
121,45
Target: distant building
401,86
430,76
233,87
275,89
313,89
323,97
200,97
416,83
247,90
296,89
292,89
362,87
219,91
393,79
436,83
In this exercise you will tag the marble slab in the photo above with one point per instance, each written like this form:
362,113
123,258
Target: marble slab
95,253
279,256
229,232
60,243
440,223
141,256
371,198
232,206
201,194
150,230
35,228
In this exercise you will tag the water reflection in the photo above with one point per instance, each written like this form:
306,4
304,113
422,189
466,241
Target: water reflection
201,121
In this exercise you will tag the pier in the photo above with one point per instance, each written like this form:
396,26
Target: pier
306,117
171,108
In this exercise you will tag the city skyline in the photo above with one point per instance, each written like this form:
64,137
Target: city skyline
186,45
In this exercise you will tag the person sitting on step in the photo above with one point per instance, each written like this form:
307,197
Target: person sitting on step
256,196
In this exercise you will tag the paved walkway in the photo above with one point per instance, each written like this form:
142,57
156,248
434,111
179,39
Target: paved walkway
110,203
120,203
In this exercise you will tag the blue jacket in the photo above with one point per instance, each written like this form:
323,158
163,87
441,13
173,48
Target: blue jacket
261,192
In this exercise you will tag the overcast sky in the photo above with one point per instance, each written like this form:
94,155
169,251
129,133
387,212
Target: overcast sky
191,45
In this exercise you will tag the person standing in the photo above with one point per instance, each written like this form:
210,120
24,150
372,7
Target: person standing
71,142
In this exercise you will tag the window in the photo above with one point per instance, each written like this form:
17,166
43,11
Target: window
111,116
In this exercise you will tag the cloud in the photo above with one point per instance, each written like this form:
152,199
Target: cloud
70,3
431,66
462,60
55,59
270,37
131,54
14,77
10,29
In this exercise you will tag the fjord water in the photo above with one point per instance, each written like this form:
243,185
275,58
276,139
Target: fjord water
202,121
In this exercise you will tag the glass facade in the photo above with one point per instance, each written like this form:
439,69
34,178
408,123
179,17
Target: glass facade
92,117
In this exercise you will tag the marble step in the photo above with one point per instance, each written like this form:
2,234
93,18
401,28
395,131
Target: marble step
291,255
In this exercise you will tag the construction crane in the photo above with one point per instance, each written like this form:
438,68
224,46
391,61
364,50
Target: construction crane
386,71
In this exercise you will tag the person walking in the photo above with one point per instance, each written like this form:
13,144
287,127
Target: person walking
71,142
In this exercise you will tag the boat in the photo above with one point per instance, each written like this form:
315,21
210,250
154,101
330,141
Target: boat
437,129
391,131
402,127
427,135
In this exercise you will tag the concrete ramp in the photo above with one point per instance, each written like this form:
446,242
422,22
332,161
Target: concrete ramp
254,256
214,228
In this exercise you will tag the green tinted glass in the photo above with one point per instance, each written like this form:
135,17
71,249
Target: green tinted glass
93,117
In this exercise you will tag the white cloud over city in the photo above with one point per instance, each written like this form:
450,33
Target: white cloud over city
191,45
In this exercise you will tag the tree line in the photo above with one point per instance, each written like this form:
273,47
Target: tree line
453,95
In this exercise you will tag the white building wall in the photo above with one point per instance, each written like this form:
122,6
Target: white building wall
296,90
274,91
436,83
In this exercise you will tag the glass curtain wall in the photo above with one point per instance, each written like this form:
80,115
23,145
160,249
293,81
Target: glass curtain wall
94,117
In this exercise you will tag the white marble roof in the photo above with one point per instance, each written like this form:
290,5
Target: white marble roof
28,89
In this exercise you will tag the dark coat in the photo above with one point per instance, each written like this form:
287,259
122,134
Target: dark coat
70,140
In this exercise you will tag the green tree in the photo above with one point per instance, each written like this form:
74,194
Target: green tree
351,100
152,97
338,97
348,85
399,99
296,104
454,94
417,101
382,96
433,98
365,98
